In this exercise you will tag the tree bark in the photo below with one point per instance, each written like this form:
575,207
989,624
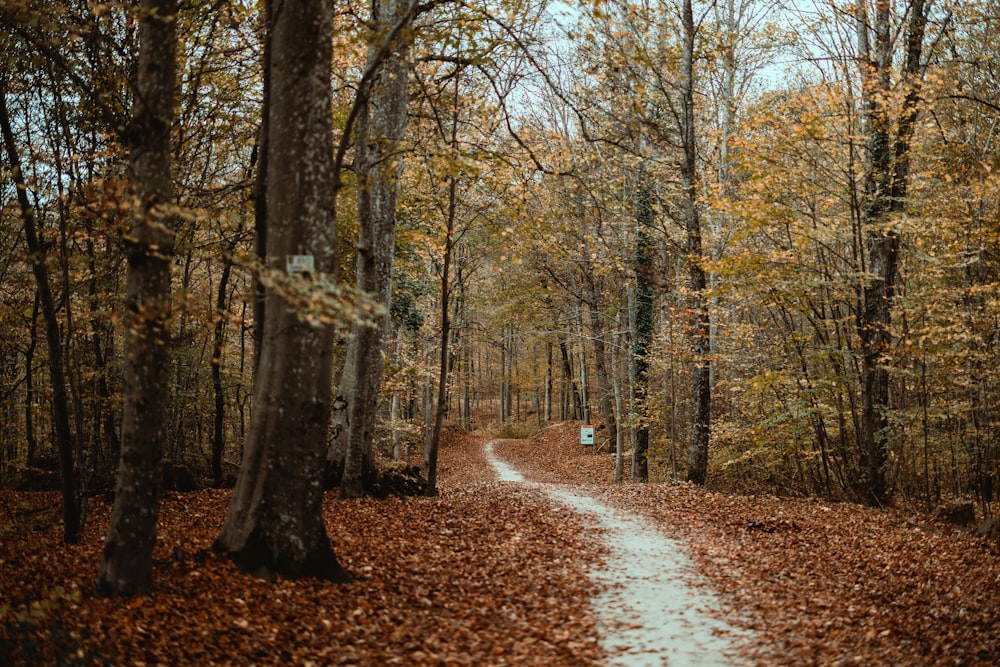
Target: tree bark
581,356
885,183
378,163
275,520
442,396
548,381
569,383
701,329
643,335
127,564
397,442
604,390
218,344
618,442
260,185
29,384
508,375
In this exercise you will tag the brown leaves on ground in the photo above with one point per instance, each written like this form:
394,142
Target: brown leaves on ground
490,574
819,583
484,574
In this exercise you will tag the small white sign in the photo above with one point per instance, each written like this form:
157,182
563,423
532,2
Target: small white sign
586,435
300,264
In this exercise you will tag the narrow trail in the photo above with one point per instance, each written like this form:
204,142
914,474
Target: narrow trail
649,612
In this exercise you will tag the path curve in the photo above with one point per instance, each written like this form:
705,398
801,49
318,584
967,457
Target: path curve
650,614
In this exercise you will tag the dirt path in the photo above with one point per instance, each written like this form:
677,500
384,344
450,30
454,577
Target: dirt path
813,582
649,612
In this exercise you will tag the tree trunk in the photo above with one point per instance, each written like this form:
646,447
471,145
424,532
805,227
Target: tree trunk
604,391
378,164
886,180
618,442
260,185
701,329
508,382
643,317
442,397
397,442
275,520
127,565
219,339
428,407
29,384
569,383
581,358
503,376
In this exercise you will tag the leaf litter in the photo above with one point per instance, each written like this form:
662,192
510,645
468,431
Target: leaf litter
649,613
489,573
481,575
816,582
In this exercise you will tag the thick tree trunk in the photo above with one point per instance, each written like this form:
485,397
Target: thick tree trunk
71,502
260,185
873,312
378,164
701,328
127,565
875,318
275,520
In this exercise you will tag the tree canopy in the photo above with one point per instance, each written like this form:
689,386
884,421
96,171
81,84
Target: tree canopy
758,243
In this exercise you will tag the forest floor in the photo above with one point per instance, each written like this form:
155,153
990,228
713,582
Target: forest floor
651,610
812,582
499,573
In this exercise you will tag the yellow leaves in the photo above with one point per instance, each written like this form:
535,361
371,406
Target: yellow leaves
316,299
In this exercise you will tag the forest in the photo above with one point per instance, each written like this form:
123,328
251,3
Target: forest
280,245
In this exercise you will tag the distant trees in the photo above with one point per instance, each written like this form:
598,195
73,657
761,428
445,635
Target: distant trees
788,229
69,98
782,267
830,241
66,445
